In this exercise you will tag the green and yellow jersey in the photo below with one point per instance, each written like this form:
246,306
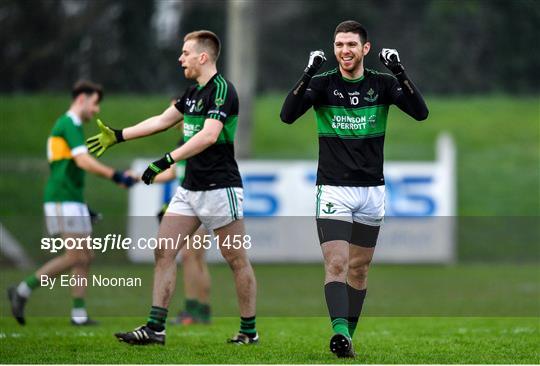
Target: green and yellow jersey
66,180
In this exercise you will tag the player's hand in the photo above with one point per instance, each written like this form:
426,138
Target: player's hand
390,58
136,178
157,167
316,60
124,178
106,138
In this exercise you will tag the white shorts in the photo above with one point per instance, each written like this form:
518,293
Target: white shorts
215,208
364,205
67,218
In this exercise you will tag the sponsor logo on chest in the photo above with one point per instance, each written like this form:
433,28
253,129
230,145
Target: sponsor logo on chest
194,106
345,122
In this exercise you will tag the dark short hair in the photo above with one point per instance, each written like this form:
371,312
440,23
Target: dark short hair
208,40
352,26
87,87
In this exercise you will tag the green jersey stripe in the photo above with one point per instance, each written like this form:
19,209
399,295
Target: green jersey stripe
230,202
318,201
229,196
218,89
225,85
233,199
221,90
329,72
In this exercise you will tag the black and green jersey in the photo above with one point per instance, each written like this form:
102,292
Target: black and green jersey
351,121
215,167
180,165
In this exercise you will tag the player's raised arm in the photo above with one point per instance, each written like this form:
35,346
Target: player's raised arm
153,125
404,93
300,99
108,136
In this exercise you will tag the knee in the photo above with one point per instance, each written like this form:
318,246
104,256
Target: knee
336,266
358,269
188,257
163,256
234,258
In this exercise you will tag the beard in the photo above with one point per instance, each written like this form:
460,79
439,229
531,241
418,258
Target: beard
352,65
190,74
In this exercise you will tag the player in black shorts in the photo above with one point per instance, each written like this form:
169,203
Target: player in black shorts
351,106
211,193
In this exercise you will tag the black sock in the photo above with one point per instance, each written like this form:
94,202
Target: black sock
247,326
157,318
338,306
356,302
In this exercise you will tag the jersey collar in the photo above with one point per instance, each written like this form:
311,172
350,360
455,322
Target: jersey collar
76,120
352,80
200,87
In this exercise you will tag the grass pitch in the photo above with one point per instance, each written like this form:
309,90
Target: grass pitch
414,314
283,340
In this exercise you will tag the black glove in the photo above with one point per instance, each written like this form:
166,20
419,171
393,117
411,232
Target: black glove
157,167
390,58
120,177
316,60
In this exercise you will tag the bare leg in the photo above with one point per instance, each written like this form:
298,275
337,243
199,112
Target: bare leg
70,258
171,226
336,258
360,259
191,275
203,283
193,268
244,277
81,270
172,229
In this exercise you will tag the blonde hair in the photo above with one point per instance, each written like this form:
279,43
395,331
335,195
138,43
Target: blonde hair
207,40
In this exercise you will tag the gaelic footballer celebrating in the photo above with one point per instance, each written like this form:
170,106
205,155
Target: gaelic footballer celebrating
351,106
211,192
